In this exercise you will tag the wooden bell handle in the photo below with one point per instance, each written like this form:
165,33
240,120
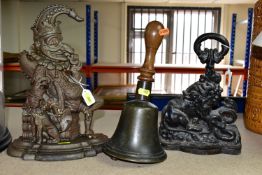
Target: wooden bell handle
153,39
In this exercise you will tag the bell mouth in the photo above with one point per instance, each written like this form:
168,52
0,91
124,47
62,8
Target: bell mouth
116,153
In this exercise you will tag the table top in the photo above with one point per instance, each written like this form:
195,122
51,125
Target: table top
105,121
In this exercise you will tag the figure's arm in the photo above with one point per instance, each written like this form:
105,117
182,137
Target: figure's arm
39,85
48,104
89,110
74,69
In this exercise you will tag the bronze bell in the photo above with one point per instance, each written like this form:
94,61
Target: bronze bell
136,137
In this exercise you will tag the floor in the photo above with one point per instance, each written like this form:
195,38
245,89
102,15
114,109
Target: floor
248,162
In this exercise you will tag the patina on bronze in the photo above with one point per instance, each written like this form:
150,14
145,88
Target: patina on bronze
136,137
195,122
50,118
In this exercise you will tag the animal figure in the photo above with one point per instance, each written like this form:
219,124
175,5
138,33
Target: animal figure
194,110
199,121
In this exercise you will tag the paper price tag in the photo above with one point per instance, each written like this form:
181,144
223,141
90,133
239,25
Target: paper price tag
144,92
164,32
88,97
228,79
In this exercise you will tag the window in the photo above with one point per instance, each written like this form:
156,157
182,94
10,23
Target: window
185,25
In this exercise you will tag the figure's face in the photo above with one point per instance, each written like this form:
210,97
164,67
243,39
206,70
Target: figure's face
53,48
54,41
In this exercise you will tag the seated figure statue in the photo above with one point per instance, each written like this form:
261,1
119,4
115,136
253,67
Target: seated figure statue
51,121
199,121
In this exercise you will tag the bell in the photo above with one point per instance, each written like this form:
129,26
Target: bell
136,136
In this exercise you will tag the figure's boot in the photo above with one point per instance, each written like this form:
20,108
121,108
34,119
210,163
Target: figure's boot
88,124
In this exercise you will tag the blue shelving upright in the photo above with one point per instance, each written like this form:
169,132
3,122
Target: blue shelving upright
232,48
248,48
88,43
95,46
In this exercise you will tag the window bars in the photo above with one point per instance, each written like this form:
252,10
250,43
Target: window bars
185,25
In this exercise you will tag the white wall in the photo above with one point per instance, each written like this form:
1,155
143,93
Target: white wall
109,39
10,42
10,22
18,17
73,31
241,29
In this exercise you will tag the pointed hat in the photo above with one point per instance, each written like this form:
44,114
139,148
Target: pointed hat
46,23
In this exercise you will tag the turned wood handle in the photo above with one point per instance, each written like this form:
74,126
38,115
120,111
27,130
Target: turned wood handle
153,39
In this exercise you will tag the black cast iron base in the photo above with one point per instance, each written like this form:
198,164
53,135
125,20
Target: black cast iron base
5,138
204,148
79,148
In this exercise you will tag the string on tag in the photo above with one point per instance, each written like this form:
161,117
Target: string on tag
86,94
78,82
225,46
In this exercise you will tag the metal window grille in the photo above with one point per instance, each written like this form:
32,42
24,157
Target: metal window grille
185,25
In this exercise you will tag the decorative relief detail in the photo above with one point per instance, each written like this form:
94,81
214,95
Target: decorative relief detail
51,112
195,122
